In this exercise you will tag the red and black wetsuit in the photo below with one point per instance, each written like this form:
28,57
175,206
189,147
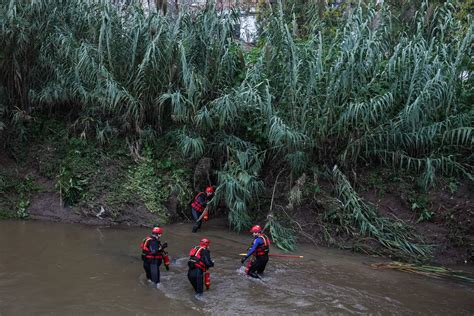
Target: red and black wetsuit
152,255
260,249
198,206
199,262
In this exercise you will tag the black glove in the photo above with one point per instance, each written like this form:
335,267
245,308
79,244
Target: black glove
243,259
167,267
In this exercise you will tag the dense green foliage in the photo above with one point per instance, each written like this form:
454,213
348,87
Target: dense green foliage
17,190
153,181
364,90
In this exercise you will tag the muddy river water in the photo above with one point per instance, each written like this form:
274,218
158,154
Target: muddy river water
65,269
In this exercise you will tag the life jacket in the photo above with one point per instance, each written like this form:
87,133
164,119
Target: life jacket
146,253
264,249
195,258
197,204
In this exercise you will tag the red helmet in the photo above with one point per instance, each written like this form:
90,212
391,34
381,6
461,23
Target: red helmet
209,190
204,242
256,229
157,230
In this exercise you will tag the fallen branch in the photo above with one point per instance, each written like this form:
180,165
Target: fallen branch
430,271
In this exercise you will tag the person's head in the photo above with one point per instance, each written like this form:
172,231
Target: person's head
204,243
157,231
209,191
255,230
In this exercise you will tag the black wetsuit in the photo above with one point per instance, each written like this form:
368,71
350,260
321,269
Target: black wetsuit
196,275
258,265
202,200
152,265
261,259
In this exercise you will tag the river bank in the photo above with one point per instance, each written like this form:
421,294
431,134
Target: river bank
108,187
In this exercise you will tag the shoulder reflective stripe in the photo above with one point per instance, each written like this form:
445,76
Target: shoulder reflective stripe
200,264
196,199
262,249
145,243
200,194
265,240
198,252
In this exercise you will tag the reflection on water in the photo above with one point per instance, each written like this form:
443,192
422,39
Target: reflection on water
50,268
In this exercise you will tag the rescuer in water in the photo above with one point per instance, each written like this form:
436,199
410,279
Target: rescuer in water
153,254
199,207
260,249
199,262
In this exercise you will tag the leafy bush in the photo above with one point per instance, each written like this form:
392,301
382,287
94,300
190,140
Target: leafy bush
153,181
15,193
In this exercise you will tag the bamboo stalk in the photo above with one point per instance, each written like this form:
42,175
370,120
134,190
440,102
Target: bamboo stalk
426,270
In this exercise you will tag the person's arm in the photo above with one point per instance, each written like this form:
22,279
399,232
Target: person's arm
257,242
206,258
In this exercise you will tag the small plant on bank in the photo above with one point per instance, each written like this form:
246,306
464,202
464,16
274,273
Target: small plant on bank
77,168
71,187
22,209
15,194
420,206
453,185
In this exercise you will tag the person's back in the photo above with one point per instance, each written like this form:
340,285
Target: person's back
152,255
199,262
